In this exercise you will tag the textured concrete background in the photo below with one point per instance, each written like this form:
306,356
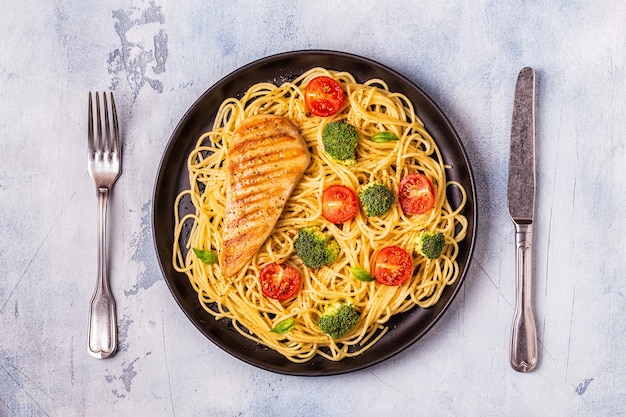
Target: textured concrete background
160,56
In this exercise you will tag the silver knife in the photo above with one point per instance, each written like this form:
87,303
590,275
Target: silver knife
521,197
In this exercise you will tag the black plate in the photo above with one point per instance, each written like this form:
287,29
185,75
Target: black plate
172,178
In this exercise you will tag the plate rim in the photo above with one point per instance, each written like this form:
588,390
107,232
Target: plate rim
311,368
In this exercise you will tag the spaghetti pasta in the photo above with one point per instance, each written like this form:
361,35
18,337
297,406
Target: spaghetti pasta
371,107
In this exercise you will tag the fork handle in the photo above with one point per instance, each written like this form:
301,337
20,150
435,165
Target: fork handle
102,339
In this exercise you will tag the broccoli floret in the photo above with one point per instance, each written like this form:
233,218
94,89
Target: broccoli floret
430,245
316,248
376,199
338,319
340,140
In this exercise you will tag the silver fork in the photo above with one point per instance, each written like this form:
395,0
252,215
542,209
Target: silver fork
104,165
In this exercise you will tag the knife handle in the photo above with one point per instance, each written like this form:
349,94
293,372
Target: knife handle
524,334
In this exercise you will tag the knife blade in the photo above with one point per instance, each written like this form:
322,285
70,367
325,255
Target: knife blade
521,199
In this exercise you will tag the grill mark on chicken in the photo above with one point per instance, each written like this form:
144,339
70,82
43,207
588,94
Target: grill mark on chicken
259,179
254,151
255,174
266,159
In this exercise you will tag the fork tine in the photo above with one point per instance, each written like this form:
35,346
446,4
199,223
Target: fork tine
106,146
99,138
117,144
90,141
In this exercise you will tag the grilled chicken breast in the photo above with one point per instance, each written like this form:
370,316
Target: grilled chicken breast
265,161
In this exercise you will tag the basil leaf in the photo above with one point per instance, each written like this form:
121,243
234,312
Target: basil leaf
206,256
284,326
382,137
361,274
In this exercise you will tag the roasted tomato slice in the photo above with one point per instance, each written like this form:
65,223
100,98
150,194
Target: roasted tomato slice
416,194
280,281
393,266
338,204
323,96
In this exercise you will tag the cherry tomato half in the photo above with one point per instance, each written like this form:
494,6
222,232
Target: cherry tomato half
323,96
280,281
338,204
416,194
393,266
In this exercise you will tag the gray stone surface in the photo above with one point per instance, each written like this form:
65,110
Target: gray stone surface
160,56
